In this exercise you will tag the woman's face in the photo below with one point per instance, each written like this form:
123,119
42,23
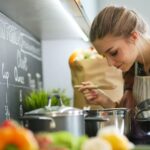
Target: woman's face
119,52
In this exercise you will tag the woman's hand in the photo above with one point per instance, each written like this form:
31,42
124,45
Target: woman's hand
93,95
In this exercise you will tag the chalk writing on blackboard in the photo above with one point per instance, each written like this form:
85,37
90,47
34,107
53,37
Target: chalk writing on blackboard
7,112
5,74
24,42
21,105
20,67
22,61
18,78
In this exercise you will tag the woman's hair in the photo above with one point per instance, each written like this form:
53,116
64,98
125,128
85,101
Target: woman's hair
118,21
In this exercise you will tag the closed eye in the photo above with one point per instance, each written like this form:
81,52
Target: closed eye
113,53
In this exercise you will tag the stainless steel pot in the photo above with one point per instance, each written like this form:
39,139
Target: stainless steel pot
143,110
142,117
144,104
55,118
118,117
143,114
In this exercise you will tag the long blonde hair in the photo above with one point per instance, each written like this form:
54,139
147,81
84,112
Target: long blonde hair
118,21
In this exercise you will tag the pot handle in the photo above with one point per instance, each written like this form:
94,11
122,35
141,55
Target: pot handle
50,100
141,111
52,123
98,119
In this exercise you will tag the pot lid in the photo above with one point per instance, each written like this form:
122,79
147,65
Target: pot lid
143,114
53,111
144,104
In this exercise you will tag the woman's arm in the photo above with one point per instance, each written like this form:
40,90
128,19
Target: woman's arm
128,99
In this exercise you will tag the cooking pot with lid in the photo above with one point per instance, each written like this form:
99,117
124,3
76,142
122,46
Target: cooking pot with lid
142,117
120,118
55,118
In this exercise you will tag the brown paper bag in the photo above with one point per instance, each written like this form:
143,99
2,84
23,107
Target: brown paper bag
97,71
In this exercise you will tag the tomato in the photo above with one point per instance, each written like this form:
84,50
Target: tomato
9,123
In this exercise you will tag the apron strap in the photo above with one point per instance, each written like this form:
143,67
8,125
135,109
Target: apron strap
139,69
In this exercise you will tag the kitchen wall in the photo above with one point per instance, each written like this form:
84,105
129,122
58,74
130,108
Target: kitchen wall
56,71
142,7
92,7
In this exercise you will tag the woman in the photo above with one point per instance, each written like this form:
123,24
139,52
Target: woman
121,36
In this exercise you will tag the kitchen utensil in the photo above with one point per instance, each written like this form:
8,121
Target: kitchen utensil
143,110
144,104
143,114
92,119
55,118
106,87
118,117
140,128
144,125
142,118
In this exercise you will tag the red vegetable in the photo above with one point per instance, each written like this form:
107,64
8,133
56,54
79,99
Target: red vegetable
14,134
9,123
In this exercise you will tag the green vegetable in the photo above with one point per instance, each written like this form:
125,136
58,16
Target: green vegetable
87,55
11,147
79,141
64,139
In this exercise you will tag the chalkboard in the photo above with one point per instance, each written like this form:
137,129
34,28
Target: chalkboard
20,67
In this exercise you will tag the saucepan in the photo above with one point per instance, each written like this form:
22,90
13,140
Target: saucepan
76,121
142,116
120,118
55,118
